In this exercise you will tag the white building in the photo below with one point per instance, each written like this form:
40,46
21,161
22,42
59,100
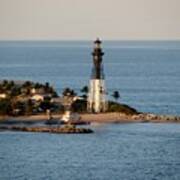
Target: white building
3,96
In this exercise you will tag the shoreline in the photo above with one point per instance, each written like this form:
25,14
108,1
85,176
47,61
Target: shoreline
136,118
113,117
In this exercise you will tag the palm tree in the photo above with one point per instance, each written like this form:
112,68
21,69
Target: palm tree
5,82
27,84
47,87
37,85
116,95
69,92
85,91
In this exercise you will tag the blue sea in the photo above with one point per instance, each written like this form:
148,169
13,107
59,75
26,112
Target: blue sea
119,152
147,75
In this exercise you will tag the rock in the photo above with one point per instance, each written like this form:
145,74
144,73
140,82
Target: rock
66,129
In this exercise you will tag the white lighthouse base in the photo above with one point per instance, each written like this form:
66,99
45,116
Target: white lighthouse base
96,99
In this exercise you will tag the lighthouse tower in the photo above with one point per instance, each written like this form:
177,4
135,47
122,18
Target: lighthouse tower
96,99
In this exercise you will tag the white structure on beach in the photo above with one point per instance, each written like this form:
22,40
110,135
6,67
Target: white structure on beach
68,116
97,94
3,96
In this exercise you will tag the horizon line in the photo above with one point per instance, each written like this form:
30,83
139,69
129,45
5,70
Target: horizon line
20,40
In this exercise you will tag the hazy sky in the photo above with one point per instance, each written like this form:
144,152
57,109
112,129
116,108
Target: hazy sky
88,19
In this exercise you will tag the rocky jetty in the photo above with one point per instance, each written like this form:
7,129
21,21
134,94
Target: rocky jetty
67,129
117,117
147,117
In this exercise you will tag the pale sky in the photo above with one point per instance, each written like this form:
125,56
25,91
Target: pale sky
88,19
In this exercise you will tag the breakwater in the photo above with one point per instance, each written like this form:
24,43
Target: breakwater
116,117
68,129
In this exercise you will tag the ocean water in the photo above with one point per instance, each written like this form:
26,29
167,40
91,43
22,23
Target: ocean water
147,74
127,151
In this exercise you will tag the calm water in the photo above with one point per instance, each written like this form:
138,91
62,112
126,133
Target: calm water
126,151
147,74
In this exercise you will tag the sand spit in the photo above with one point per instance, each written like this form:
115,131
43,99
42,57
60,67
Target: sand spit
123,118
114,117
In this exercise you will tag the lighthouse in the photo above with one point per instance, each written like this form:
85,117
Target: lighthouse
97,94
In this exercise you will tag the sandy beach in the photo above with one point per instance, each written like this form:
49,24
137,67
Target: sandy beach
123,118
114,117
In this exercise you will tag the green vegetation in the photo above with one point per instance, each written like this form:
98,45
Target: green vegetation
116,95
123,108
85,91
29,98
17,98
5,107
80,106
69,92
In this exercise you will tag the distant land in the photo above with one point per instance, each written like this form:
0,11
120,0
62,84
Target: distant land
24,101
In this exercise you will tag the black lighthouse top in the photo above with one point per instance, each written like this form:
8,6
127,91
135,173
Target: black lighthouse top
97,60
